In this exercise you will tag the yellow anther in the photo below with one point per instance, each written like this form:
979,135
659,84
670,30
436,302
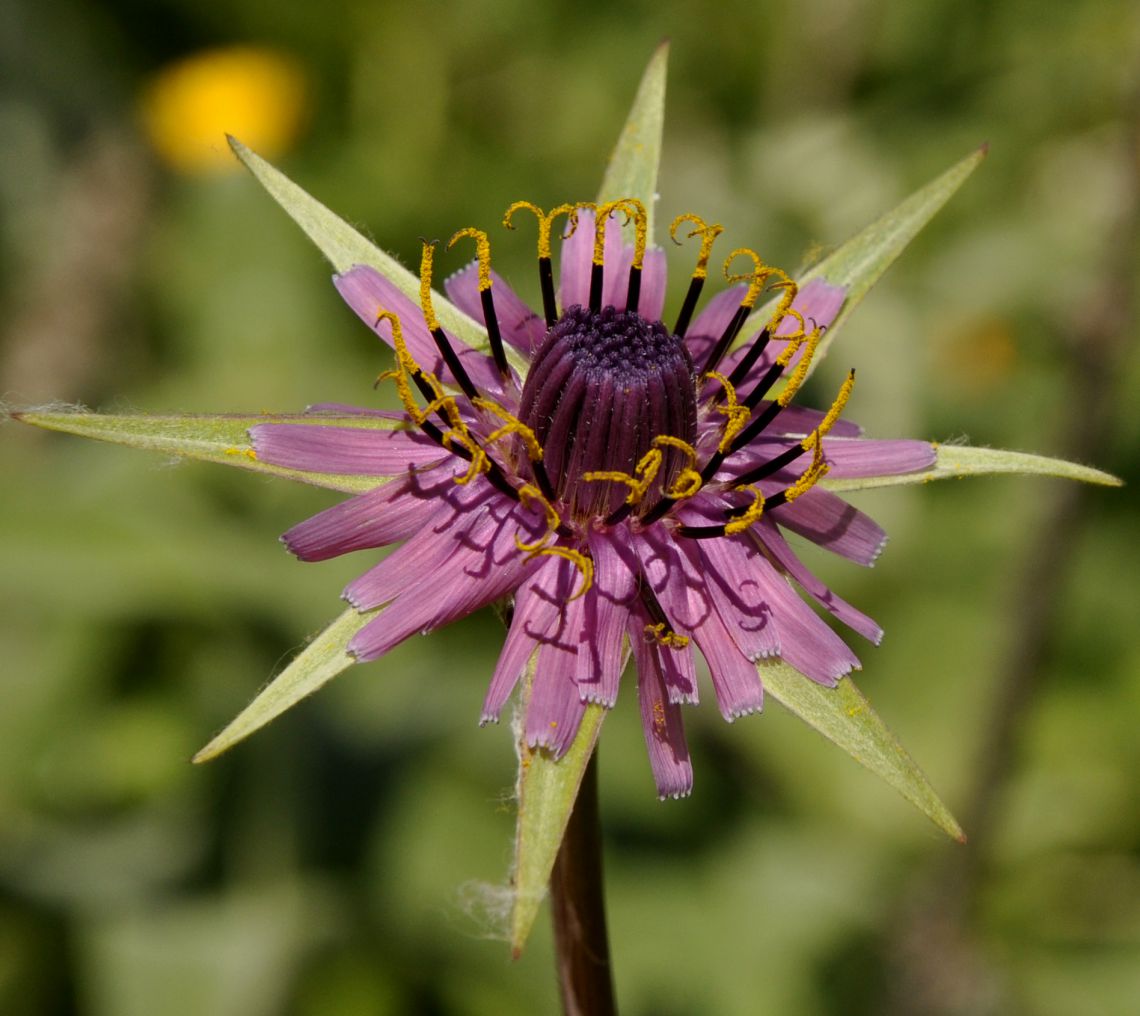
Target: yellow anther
707,234
643,475
659,716
632,209
688,481
546,221
755,279
664,635
799,332
810,476
479,462
511,425
799,375
687,484
528,495
737,416
582,562
405,364
833,413
668,441
482,252
441,401
751,516
788,285
426,260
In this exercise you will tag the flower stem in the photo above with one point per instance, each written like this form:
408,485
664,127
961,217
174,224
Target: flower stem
581,946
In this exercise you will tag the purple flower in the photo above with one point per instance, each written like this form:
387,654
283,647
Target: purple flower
621,483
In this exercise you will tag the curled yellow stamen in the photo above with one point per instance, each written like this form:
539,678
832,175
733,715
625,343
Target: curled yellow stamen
788,285
688,481
755,279
632,209
441,403
736,414
405,365
582,562
707,234
528,495
511,425
833,413
664,635
482,252
810,476
799,375
426,260
752,515
479,462
643,475
457,432
546,221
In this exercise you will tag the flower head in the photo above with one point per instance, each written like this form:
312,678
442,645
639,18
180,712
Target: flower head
623,483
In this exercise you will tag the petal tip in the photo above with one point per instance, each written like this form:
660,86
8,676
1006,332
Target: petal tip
675,795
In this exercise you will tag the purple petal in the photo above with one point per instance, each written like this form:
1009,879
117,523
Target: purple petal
367,292
606,615
619,256
538,604
778,547
852,459
805,641
577,261
739,596
391,512
680,588
828,520
555,709
801,420
661,721
468,539
353,451
469,568
710,323
677,665
574,264
654,277
818,302
679,672
519,325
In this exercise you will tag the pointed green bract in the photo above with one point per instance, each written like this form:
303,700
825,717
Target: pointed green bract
223,439
632,169
317,664
547,790
345,247
957,461
845,717
859,263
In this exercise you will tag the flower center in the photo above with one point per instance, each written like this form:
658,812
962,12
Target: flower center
604,387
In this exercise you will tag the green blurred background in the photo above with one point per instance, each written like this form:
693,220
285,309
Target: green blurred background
339,862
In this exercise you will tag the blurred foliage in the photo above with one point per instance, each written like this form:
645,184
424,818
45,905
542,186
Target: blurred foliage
334,863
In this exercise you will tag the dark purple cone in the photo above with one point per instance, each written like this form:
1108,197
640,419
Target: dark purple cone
602,386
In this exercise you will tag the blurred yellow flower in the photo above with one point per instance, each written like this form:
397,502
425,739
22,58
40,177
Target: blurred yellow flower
189,106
